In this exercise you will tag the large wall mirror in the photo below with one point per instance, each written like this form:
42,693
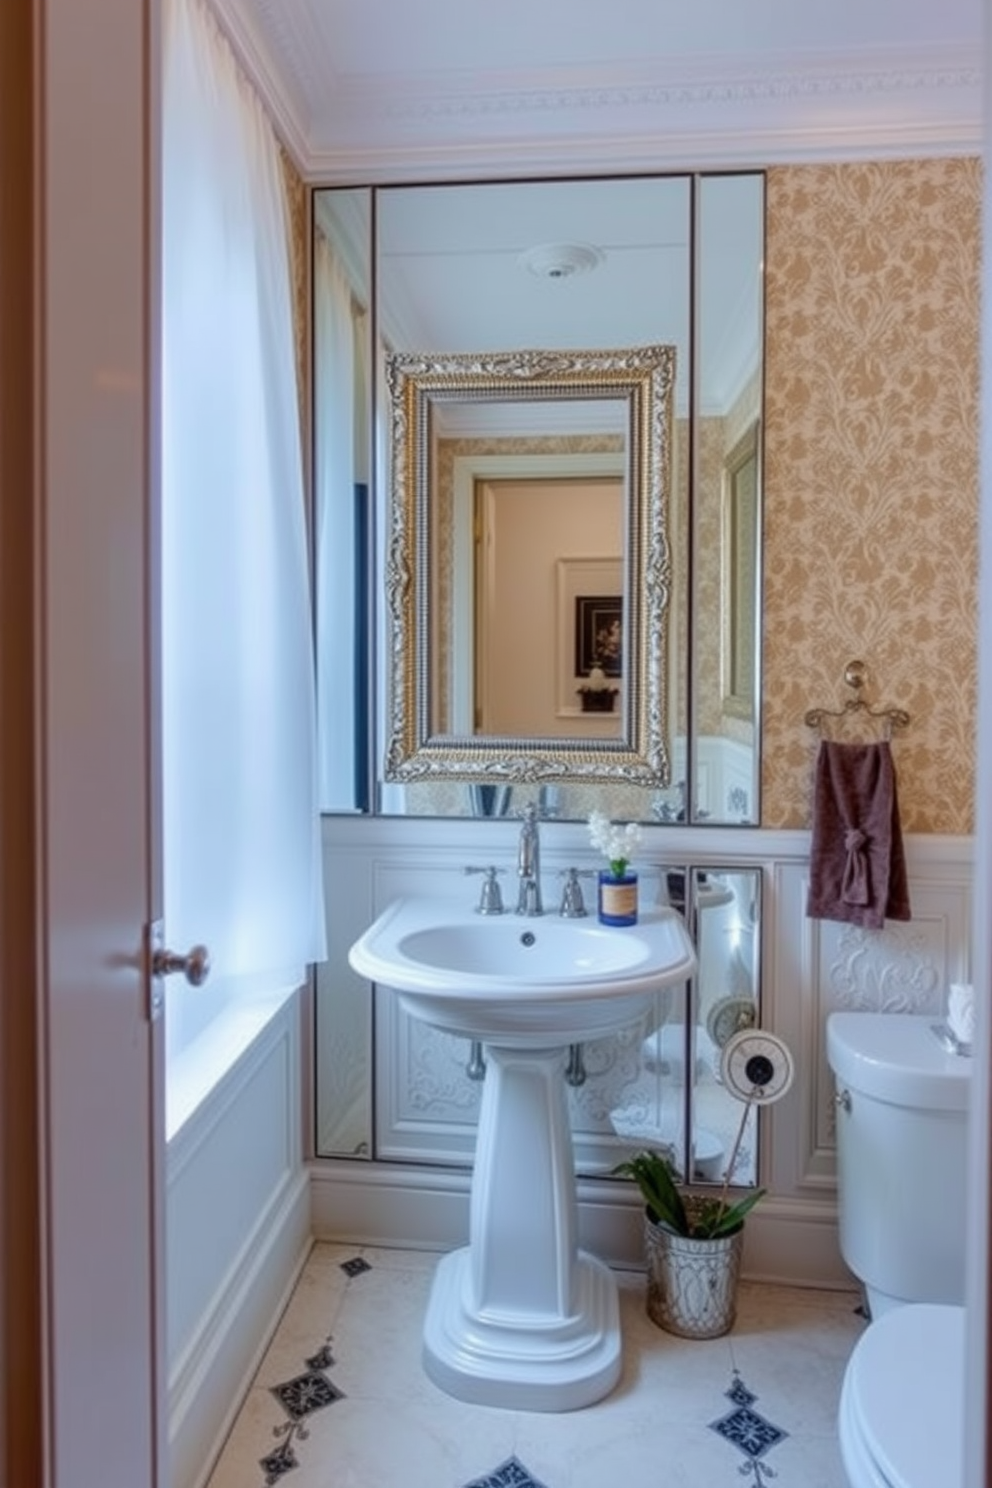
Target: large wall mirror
533,571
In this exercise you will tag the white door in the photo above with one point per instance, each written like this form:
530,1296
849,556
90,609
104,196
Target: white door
102,1056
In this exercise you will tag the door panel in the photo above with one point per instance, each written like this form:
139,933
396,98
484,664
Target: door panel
102,1057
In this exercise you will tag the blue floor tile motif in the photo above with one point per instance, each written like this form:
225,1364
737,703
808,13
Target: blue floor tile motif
745,1429
510,1474
299,1398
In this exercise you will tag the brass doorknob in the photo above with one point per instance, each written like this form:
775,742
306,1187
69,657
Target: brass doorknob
195,965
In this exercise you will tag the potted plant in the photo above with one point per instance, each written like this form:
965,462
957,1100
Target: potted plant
617,901
694,1244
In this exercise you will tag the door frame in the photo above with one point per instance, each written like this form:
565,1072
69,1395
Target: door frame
82,1132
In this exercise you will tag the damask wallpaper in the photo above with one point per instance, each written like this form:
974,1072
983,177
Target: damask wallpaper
871,471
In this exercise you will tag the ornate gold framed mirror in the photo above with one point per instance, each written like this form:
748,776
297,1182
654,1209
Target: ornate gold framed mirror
569,418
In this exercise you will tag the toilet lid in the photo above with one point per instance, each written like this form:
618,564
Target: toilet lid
907,1395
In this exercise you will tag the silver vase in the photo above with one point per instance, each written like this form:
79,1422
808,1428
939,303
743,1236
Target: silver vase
692,1283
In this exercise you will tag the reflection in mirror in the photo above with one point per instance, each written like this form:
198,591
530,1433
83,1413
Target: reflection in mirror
341,492
726,547
679,1100
456,269
517,651
503,520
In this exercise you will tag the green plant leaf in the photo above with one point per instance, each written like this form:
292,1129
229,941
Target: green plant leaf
706,1218
732,1216
653,1173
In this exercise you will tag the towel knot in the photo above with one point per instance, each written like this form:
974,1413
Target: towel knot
854,887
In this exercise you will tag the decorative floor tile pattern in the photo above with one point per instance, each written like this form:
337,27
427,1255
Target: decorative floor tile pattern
512,1474
661,1427
299,1398
749,1431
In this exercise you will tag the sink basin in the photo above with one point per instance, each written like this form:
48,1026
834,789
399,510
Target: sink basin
521,1318
514,979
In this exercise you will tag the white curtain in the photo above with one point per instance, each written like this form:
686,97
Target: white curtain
338,382
242,828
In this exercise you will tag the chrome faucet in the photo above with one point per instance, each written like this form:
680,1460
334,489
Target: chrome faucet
529,864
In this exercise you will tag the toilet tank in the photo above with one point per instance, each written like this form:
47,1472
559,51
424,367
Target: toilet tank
902,1109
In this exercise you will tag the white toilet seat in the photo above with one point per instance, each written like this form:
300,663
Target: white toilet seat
901,1418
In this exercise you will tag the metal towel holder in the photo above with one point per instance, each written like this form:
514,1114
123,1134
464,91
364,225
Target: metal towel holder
855,675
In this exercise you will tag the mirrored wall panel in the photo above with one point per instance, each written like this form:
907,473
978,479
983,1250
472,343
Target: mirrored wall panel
539,587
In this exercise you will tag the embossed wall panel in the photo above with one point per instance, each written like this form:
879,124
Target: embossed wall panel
821,966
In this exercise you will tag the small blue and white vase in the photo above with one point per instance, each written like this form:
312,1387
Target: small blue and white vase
617,898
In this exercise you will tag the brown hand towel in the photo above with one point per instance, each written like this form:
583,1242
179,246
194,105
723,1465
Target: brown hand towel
857,860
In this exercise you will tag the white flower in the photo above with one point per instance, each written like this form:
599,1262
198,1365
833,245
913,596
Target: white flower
616,843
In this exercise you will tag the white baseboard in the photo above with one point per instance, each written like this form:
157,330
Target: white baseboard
793,1241
209,1383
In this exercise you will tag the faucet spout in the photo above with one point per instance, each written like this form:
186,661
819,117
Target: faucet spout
529,864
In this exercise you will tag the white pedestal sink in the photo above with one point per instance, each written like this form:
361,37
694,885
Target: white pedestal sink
521,1318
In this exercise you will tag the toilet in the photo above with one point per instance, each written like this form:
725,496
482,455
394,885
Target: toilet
902,1108
901,1417
902,1112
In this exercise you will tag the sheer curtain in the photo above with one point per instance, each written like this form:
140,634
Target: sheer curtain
241,821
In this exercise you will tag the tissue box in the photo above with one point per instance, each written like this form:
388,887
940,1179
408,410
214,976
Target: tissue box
961,1012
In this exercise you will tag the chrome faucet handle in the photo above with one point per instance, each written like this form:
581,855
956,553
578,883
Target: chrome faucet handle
491,897
572,903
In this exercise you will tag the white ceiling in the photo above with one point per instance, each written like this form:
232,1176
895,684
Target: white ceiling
366,90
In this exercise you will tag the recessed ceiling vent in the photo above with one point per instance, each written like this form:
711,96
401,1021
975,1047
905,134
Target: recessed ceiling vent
560,260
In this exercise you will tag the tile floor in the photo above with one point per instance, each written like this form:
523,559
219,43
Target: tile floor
341,1400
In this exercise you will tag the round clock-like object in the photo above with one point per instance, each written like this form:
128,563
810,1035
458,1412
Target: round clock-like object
728,1016
756,1066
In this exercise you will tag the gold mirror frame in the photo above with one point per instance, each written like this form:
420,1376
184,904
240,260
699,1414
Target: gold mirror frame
642,377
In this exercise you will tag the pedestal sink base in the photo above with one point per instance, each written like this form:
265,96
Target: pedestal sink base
522,1362
522,1318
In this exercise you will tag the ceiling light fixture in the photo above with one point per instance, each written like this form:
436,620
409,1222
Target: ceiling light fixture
560,260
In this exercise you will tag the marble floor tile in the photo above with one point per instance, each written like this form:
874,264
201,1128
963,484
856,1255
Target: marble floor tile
341,1397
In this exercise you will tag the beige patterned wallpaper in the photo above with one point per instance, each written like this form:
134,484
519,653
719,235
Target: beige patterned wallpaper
871,471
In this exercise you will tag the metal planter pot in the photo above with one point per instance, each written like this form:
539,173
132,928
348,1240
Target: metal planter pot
692,1284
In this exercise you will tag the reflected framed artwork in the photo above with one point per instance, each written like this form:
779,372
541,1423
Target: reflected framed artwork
599,634
589,598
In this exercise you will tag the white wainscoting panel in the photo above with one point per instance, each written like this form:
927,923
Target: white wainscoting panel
416,1190
823,965
237,1232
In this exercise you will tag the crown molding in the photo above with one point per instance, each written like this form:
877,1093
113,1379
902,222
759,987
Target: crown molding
693,82
729,149
701,113
280,96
